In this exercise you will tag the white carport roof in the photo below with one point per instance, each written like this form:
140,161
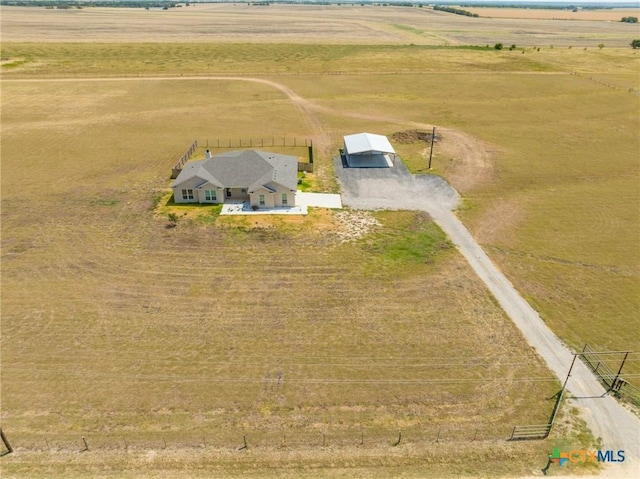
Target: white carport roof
367,142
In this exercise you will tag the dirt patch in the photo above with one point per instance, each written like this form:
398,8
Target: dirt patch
411,136
469,162
355,224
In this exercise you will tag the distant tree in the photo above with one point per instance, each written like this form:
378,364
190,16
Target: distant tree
629,20
457,11
635,44
601,46
498,46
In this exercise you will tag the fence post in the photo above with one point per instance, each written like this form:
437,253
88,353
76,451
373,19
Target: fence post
6,442
619,371
513,433
244,440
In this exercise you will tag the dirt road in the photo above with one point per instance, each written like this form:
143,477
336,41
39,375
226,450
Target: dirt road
396,188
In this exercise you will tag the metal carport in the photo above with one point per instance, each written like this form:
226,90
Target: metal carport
367,150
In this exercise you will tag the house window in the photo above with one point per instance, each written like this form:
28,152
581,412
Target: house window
243,190
228,192
187,194
261,198
284,199
210,195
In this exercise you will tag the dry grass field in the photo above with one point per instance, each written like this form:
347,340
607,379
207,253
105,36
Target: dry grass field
345,25
602,15
163,347
118,329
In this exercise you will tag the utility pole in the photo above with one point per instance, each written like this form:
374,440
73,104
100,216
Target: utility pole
613,384
561,393
433,139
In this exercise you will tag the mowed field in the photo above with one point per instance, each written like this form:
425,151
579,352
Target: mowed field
164,347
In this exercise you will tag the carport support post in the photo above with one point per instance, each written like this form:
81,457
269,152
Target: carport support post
433,139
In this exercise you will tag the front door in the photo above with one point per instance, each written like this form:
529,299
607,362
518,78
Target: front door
228,192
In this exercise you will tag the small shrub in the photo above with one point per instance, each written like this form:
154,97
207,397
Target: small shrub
498,46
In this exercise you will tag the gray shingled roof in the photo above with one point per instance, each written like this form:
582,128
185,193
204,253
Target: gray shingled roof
243,169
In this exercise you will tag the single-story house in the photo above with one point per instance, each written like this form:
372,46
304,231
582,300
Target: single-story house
264,179
366,150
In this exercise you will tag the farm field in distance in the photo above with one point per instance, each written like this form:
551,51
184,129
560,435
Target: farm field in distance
164,347
590,14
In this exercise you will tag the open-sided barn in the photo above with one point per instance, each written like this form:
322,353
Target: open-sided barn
366,150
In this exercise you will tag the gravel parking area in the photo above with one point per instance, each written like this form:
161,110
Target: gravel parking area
393,188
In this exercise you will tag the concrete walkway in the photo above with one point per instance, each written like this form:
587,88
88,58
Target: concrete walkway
304,200
396,188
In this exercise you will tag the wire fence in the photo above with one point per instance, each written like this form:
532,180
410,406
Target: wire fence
257,439
616,383
261,142
279,143
175,171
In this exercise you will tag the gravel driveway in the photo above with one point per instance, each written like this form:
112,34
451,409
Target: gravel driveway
395,188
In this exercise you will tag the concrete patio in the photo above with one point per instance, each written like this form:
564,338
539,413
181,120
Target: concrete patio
304,200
